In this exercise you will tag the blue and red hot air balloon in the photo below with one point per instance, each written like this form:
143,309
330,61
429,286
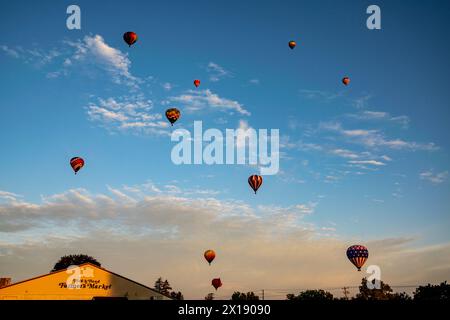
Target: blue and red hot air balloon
357,255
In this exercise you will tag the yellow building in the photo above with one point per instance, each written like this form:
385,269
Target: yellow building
83,282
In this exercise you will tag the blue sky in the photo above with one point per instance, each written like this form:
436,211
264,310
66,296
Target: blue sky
359,163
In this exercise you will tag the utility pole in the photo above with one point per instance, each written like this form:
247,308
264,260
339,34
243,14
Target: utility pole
346,292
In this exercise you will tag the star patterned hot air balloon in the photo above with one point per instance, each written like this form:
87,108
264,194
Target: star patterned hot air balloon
357,255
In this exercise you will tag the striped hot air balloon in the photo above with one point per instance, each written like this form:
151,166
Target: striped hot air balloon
173,114
130,37
209,256
255,182
76,163
357,255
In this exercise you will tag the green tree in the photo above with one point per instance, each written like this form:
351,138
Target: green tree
74,259
311,295
244,296
433,292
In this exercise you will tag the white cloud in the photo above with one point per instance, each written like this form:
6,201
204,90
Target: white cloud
263,247
127,113
320,95
403,120
254,81
9,51
375,138
194,100
435,178
95,52
167,86
217,72
371,162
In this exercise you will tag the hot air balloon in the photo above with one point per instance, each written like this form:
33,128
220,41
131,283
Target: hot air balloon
216,283
209,256
255,182
346,81
172,114
357,255
292,44
196,82
76,163
130,37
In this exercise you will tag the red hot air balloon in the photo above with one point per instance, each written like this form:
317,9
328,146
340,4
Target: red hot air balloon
292,44
196,82
130,37
357,255
216,283
76,163
209,256
255,182
346,81
173,114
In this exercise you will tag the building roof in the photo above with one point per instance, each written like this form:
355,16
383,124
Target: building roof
92,265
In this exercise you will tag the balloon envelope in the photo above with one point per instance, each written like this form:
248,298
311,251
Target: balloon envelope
173,114
209,255
76,163
292,44
130,37
346,80
196,83
216,283
255,182
357,255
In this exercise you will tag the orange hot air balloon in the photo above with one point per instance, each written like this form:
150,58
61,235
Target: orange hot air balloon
346,81
216,283
130,37
76,163
173,114
209,256
196,82
292,44
255,182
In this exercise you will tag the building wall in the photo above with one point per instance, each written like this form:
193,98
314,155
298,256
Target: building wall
83,283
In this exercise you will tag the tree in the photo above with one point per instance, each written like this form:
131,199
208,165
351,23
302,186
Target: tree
163,286
74,259
176,295
209,296
384,293
311,295
244,296
433,292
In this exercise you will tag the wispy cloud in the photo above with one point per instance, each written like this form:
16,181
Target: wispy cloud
370,162
320,95
435,178
125,114
194,100
403,120
217,72
95,52
375,138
